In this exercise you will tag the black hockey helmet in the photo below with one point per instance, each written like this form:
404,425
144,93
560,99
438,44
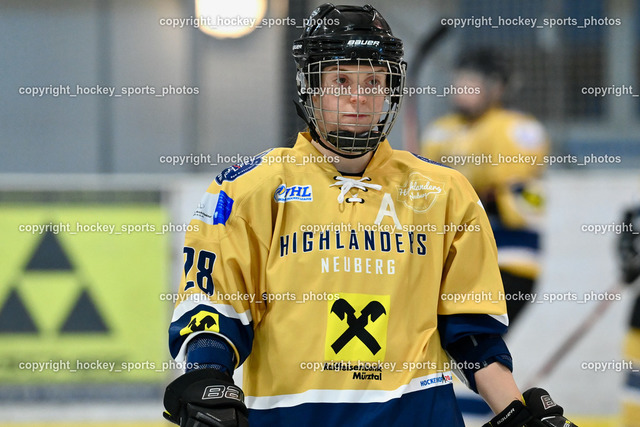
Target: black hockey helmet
487,62
346,32
348,35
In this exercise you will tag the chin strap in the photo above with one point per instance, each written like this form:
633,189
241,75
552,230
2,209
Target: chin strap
316,137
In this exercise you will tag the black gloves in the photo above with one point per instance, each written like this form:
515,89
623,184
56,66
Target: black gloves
205,398
540,411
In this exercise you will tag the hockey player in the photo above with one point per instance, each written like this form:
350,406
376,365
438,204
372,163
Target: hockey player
326,271
629,252
501,152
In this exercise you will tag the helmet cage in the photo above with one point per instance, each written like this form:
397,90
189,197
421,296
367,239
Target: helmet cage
373,124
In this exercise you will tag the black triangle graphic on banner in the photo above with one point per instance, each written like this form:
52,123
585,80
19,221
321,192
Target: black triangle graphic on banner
49,255
84,317
14,317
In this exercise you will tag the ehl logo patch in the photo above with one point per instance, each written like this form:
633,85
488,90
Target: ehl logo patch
295,193
202,321
419,192
357,327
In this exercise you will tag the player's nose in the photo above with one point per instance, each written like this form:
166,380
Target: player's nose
358,97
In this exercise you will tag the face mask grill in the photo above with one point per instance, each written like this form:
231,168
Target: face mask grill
352,104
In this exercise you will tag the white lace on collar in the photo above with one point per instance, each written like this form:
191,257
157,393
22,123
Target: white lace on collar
347,184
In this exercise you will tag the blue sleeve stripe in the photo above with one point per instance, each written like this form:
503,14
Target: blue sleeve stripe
633,380
518,238
455,326
476,352
431,407
195,320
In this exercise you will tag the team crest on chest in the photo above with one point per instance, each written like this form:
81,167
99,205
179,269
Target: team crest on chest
419,192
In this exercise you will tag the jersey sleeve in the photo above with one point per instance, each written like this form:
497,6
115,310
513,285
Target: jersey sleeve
471,293
436,137
518,189
220,290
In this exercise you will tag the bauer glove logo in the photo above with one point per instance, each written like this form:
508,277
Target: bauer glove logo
547,402
222,392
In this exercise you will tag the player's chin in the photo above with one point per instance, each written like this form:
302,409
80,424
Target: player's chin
470,110
355,128
345,152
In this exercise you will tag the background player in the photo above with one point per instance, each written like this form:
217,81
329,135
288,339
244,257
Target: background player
489,144
629,251
385,283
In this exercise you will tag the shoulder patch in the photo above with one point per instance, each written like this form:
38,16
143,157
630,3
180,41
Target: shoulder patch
438,134
235,171
424,159
528,134
214,208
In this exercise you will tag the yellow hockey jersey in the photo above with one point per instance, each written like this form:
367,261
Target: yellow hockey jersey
502,153
339,291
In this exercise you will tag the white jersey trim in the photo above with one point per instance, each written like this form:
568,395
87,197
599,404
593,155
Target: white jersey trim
348,396
503,318
193,300
510,255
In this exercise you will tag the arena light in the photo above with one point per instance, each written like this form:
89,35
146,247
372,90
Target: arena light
229,19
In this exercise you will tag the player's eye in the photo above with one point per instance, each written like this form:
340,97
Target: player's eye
376,81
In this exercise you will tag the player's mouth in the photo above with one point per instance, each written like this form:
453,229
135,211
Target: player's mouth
356,118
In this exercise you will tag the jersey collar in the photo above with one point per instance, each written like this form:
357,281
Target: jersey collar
305,147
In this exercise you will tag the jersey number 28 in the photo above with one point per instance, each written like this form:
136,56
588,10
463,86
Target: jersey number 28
206,260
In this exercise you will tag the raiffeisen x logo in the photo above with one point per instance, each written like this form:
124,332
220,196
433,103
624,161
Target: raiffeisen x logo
356,324
365,336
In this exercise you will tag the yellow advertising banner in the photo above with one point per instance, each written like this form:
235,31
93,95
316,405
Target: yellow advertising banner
80,293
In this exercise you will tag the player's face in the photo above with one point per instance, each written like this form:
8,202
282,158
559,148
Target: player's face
352,98
480,94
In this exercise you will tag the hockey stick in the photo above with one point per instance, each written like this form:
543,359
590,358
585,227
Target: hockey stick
587,324
411,119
